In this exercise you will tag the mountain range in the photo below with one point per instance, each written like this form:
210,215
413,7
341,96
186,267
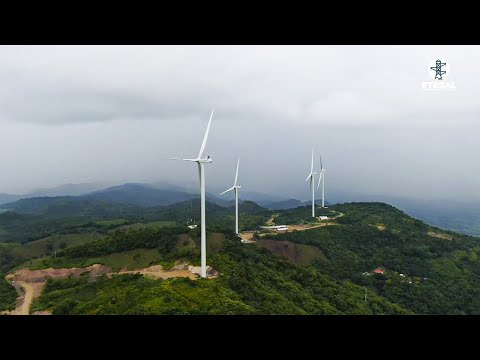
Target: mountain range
453,215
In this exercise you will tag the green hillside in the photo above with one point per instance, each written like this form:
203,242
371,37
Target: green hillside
252,280
8,295
324,270
440,269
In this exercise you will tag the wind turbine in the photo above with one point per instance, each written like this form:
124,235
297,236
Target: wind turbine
236,188
201,174
312,186
322,177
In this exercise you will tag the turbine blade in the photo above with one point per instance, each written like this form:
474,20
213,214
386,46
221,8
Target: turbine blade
321,165
311,168
319,180
206,136
227,190
236,174
309,176
188,159
174,158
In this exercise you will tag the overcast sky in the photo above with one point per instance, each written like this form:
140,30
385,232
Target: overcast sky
74,114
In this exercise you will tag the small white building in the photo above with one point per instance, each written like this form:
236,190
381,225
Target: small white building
323,217
276,227
192,226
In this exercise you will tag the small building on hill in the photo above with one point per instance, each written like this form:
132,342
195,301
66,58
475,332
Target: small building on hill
276,227
379,271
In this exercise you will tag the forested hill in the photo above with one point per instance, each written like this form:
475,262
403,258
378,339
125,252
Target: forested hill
426,269
373,259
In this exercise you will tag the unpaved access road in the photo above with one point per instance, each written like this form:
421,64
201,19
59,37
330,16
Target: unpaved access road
248,235
30,283
27,291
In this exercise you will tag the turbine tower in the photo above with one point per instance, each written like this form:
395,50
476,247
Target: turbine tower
201,174
322,179
312,186
236,188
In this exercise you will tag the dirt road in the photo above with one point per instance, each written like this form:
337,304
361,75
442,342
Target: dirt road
30,283
156,271
248,235
27,292
271,221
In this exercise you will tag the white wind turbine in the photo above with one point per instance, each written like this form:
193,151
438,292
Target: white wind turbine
312,186
236,188
322,179
201,173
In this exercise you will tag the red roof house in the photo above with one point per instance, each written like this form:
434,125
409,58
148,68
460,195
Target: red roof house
378,271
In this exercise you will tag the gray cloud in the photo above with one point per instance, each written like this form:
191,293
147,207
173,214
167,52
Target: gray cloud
113,113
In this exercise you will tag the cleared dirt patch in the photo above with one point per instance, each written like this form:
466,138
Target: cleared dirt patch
247,236
157,272
32,276
440,235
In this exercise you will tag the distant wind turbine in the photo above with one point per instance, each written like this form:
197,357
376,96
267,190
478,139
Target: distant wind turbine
312,186
236,188
201,174
322,179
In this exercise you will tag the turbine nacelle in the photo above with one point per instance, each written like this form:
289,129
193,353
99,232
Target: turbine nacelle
208,159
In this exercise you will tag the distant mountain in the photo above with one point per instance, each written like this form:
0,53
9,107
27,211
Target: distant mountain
71,206
459,216
127,199
62,190
260,197
140,195
250,207
68,190
6,198
318,202
281,205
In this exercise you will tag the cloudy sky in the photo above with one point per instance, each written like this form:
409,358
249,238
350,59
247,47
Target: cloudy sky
74,114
